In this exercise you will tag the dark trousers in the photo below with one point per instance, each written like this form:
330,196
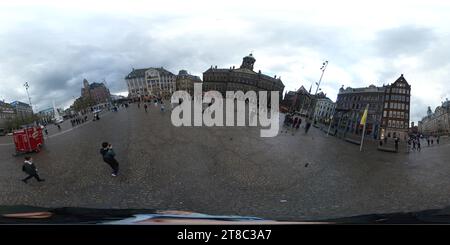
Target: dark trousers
35,175
113,164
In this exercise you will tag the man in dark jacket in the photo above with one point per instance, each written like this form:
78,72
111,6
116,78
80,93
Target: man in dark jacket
108,157
29,168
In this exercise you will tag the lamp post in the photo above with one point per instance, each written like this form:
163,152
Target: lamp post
29,99
323,68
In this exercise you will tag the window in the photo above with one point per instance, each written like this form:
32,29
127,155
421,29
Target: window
386,105
385,113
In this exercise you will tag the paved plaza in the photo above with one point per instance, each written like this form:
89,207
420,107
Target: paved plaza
223,170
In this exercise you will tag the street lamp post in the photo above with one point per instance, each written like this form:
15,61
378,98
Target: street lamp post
323,68
29,99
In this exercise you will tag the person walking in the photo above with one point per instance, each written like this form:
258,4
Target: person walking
162,106
295,122
308,125
428,140
437,140
145,107
299,122
29,168
45,130
431,141
418,144
414,144
396,143
108,155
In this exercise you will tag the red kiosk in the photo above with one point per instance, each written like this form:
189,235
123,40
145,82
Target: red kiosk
29,139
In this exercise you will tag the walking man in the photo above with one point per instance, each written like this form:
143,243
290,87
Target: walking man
308,125
437,140
428,140
414,144
418,144
29,168
108,157
396,143
145,107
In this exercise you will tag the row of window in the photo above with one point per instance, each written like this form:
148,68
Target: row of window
397,124
245,80
396,114
6,115
398,97
397,106
399,91
362,97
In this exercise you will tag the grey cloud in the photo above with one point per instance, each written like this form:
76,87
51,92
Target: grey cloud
403,40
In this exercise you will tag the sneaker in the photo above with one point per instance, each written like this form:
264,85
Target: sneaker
24,181
113,175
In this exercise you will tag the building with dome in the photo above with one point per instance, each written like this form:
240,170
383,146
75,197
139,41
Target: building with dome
243,79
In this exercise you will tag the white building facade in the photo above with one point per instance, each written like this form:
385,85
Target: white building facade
324,109
438,122
147,82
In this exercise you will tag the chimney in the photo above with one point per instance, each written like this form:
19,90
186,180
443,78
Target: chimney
275,76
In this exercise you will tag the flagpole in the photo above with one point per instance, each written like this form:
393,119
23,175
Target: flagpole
364,128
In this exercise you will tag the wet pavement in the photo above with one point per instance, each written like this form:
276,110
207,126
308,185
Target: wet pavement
230,171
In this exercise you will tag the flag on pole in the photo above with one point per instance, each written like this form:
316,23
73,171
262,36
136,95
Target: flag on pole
363,122
364,117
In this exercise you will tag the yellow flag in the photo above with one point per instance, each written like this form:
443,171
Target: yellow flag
364,117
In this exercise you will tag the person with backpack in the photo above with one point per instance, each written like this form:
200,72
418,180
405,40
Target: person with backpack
29,168
108,155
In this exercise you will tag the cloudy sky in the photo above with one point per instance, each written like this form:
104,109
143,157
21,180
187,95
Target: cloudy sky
53,45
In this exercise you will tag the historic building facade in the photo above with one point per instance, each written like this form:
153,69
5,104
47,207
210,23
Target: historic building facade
96,93
388,113
136,83
243,79
298,101
324,109
350,106
7,113
185,81
23,110
437,122
143,83
395,122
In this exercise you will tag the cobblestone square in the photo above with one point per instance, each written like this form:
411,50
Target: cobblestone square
223,170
